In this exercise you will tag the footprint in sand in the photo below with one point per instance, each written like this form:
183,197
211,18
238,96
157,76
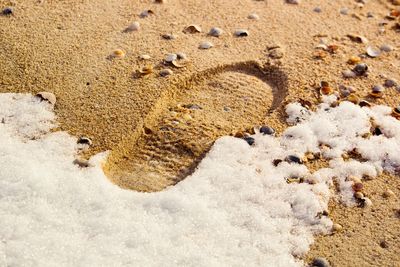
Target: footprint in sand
189,118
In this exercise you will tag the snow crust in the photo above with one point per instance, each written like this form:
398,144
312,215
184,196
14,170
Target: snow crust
237,209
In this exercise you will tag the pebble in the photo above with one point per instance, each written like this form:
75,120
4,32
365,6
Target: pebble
166,72
83,140
384,244
320,262
192,106
293,2
386,48
354,60
241,33
145,57
349,74
249,140
253,16
7,11
366,202
360,69
358,187
266,130
146,13
358,195
181,55
171,57
344,11
135,26
293,159
83,163
215,31
205,45
169,36
390,82
388,194
46,96
317,10
337,227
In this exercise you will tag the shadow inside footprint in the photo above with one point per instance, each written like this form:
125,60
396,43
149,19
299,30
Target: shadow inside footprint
187,120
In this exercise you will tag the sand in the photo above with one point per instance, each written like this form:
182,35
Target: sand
64,47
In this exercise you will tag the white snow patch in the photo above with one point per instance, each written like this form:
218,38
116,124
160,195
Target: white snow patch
236,210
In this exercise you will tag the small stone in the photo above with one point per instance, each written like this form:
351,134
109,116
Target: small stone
293,2
253,16
344,11
388,194
192,106
169,36
215,31
358,187
390,82
46,96
145,57
83,163
354,60
171,57
337,227
294,159
83,140
320,262
7,11
366,202
205,45
317,10
135,26
146,13
249,140
349,74
360,69
266,130
358,195
386,48
384,244
241,33
377,91
181,55
166,72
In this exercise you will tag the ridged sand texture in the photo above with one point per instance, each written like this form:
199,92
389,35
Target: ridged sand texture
189,117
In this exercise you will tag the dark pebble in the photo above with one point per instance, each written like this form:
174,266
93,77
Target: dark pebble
293,159
377,131
320,262
7,11
360,69
276,162
84,141
384,244
266,130
249,140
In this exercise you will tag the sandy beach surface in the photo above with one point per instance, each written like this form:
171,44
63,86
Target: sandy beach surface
68,48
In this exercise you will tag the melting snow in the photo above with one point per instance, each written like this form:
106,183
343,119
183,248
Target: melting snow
236,210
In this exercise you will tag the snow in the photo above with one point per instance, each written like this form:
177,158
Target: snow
236,209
